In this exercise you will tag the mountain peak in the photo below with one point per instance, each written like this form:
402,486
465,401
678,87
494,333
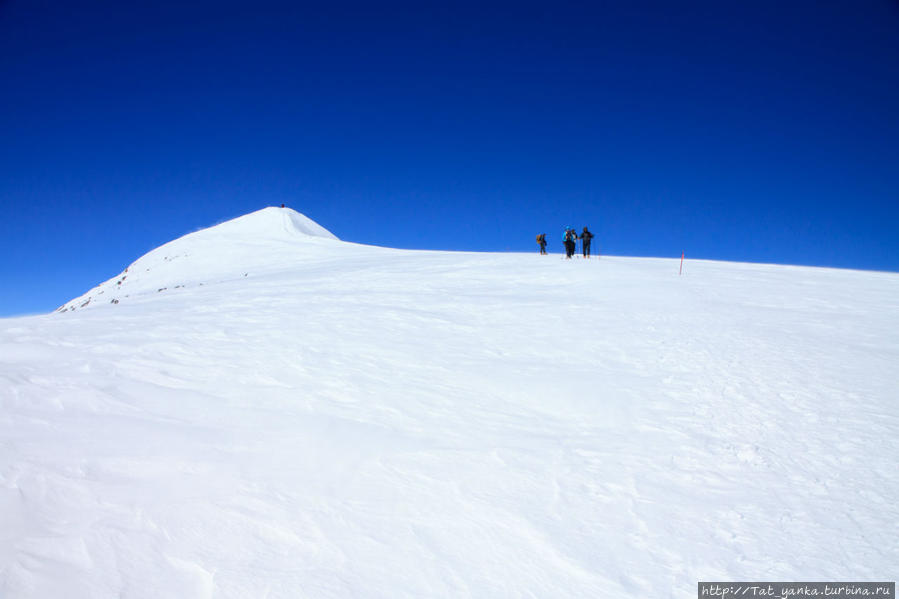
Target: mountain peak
258,242
270,223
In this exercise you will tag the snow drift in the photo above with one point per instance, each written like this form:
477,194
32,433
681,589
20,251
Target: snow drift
295,416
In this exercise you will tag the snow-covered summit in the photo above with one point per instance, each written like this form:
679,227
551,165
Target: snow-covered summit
268,223
260,241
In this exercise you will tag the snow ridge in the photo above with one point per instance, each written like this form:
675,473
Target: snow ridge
258,242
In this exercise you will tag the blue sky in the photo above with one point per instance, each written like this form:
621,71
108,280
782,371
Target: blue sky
750,131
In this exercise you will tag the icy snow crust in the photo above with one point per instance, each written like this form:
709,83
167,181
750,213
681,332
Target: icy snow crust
349,421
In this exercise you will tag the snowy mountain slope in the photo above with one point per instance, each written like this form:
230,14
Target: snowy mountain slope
348,421
268,239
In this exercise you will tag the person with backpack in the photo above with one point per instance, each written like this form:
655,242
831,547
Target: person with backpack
541,239
569,239
585,238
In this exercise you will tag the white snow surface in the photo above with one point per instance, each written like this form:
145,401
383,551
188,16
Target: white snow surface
264,241
296,416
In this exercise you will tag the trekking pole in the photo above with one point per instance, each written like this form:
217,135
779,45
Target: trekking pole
681,271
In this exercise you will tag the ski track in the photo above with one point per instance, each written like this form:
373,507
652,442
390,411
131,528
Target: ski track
379,423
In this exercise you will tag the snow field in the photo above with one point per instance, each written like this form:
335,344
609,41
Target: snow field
347,421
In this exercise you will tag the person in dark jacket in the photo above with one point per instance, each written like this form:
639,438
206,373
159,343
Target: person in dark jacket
586,237
569,239
541,239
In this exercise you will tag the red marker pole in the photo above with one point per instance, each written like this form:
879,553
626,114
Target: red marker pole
681,271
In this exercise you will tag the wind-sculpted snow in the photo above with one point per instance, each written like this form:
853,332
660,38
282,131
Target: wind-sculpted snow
263,241
349,421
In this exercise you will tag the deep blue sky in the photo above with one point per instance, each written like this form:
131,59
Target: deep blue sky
763,131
